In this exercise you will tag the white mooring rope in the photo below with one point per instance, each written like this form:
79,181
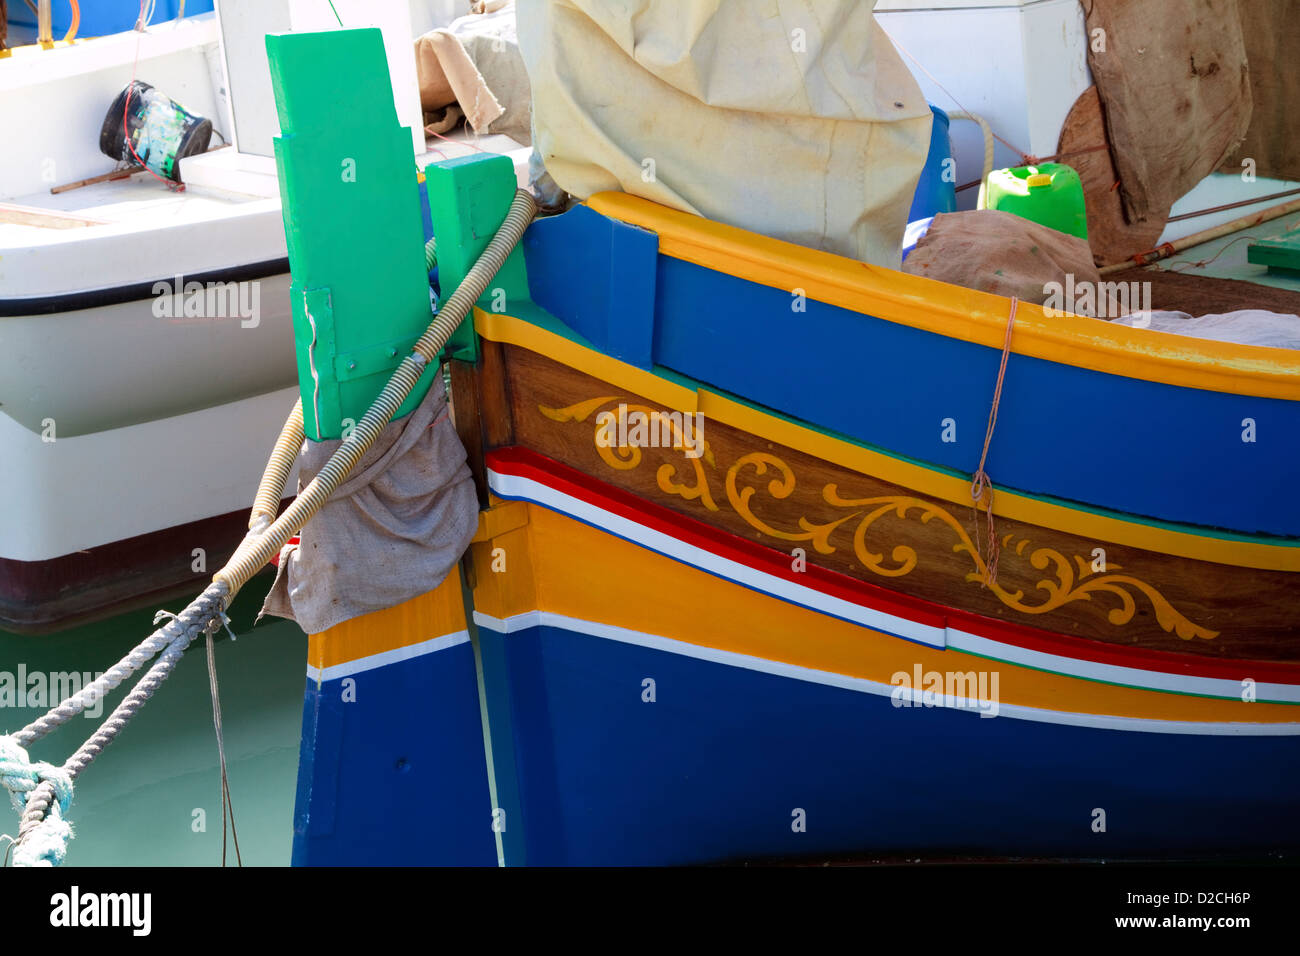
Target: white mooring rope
41,791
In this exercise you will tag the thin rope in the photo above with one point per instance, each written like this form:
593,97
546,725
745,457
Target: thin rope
459,142
1233,205
982,486
227,804
43,832
126,106
1027,159
1202,263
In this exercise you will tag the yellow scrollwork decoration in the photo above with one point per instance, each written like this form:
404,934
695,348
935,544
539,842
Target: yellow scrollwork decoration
1061,586
626,457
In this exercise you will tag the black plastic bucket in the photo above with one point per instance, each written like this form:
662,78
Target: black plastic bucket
161,131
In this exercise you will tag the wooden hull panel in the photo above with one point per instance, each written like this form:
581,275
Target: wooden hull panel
730,599
912,544
1108,416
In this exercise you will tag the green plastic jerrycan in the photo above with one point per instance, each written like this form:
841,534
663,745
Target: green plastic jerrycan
1049,194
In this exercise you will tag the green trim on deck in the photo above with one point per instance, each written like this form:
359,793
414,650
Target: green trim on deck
1281,254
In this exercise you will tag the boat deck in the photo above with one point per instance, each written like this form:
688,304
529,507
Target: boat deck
137,202
1225,257
1215,278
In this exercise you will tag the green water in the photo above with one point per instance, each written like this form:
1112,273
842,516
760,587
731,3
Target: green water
135,805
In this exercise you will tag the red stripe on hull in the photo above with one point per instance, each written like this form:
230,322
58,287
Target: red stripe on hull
524,463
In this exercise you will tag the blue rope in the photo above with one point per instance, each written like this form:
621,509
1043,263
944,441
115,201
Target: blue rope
46,844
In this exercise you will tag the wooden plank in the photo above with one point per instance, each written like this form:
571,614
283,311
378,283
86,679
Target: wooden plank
851,523
17,215
481,409
101,178
464,398
494,396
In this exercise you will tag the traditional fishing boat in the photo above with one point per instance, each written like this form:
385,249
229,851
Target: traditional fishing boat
686,657
732,594
716,546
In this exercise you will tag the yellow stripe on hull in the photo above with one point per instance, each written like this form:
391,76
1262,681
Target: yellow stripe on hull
434,614
557,564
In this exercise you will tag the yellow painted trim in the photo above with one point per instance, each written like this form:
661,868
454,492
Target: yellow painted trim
501,560
501,327
958,313
582,572
433,614
501,517
442,610
508,329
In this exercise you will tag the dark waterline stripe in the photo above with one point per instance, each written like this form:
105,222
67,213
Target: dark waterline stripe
134,292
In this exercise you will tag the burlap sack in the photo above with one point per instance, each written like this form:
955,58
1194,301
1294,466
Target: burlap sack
995,251
475,63
1271,31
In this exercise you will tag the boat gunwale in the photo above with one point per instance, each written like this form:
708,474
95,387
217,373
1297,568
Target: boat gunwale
955,312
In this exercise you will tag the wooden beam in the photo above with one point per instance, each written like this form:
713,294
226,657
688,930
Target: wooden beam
14,214
101,178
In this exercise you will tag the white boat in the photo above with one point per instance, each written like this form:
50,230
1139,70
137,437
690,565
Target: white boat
146,349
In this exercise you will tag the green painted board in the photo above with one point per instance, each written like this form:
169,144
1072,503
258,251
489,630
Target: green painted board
351,205
1279,253
468,201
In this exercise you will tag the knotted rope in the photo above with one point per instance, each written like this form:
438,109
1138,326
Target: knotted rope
982,487
42,791
46,843
43,834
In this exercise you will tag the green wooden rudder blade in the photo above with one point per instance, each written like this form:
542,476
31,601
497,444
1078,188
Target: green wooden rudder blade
351,205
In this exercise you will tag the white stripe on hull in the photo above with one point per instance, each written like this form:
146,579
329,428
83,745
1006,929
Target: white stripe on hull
515,486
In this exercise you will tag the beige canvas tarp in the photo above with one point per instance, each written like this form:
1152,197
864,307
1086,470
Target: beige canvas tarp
792,118
473,68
